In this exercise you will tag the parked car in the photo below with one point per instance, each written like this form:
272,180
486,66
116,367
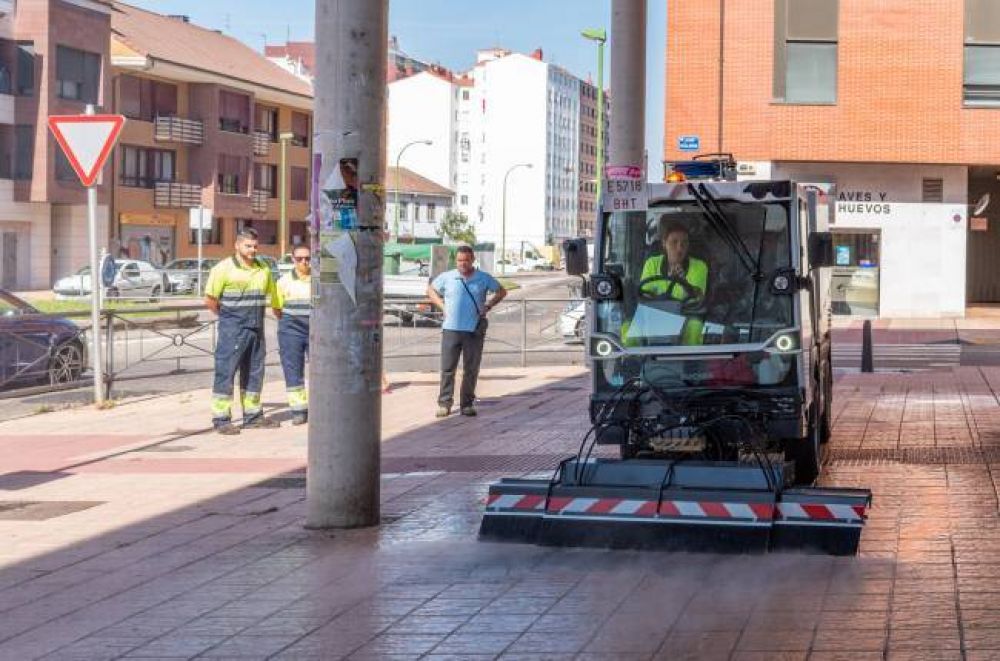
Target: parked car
272,264
37,348
133,279
182,274
573,321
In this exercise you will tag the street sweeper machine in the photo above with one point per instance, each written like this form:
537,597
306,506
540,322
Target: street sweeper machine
709,348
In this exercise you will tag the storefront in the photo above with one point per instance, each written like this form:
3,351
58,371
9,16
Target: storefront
150,237
900,235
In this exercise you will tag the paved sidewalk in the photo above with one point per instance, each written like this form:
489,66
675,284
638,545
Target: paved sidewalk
133,533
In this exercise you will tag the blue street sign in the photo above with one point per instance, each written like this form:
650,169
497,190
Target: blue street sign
688,143
108,271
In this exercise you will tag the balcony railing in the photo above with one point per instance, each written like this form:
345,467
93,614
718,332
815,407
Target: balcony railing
173,195
176,129
258,201
261,143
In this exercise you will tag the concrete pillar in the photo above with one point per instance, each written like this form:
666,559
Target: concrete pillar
342,487
628,83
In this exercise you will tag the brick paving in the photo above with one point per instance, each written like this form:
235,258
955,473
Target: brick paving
151,538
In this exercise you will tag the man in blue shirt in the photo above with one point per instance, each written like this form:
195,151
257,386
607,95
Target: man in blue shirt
461,294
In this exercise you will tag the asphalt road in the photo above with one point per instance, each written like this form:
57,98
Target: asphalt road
148,363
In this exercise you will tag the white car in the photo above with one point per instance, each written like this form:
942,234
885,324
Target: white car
573,321
133,279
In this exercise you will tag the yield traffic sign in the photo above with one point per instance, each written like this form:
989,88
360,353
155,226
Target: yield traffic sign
87,141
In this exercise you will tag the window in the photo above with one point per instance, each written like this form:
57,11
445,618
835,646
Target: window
300,129
267,230
232,178
78,74
26,68
234,112
64,171
805,62
981,82
464,199
209,237
266,178
404,210
431,212
144,168
24,152
299,183
266,121
145,99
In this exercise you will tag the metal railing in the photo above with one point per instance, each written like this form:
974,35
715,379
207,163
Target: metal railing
261,143
174,195
178,129
146,342
258,200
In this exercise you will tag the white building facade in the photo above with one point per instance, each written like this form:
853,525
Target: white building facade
509,112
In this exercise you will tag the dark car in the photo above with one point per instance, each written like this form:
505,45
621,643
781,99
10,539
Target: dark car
36,348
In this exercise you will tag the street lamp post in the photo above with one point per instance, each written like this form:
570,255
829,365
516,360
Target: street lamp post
599,35
503,221
284,138
395,224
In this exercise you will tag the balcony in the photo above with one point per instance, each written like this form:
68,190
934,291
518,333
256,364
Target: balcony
172,195
261,143
176,129
258,201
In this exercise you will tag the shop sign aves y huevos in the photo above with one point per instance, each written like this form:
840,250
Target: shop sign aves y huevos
864,203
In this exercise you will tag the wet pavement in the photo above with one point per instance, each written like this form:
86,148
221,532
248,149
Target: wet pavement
156,540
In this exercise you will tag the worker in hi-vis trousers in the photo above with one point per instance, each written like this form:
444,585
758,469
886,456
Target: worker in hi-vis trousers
291,307
239,290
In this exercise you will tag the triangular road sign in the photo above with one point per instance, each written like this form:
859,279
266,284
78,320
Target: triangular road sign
87,141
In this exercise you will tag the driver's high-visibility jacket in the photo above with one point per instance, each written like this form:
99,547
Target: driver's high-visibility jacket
696,276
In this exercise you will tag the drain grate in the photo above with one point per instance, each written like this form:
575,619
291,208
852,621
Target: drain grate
167,448
917,456
27,510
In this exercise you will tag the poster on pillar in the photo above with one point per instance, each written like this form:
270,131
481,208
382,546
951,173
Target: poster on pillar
337,218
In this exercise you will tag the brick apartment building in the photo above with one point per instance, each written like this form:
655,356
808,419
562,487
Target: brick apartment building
53,56
206,115
896,102
587,202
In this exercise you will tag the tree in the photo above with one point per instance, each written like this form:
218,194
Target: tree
456,227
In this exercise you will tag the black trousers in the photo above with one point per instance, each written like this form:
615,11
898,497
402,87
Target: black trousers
470,347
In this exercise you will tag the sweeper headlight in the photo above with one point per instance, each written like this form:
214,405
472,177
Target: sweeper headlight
605,287
602,348
784,342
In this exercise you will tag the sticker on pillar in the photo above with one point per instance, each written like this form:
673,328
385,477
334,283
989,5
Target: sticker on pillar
342,253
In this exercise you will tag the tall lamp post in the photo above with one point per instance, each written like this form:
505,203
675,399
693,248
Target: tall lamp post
284,138
395,224
599,35
503,221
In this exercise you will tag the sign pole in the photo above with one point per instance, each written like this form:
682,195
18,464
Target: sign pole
87,141
97,365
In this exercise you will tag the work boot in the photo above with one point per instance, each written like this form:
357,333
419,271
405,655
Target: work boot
469,411
300,418
443,412
261,422
227,429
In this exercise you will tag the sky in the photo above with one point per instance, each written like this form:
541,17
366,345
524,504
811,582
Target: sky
450,31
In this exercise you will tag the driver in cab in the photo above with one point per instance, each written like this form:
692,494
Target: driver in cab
676,276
